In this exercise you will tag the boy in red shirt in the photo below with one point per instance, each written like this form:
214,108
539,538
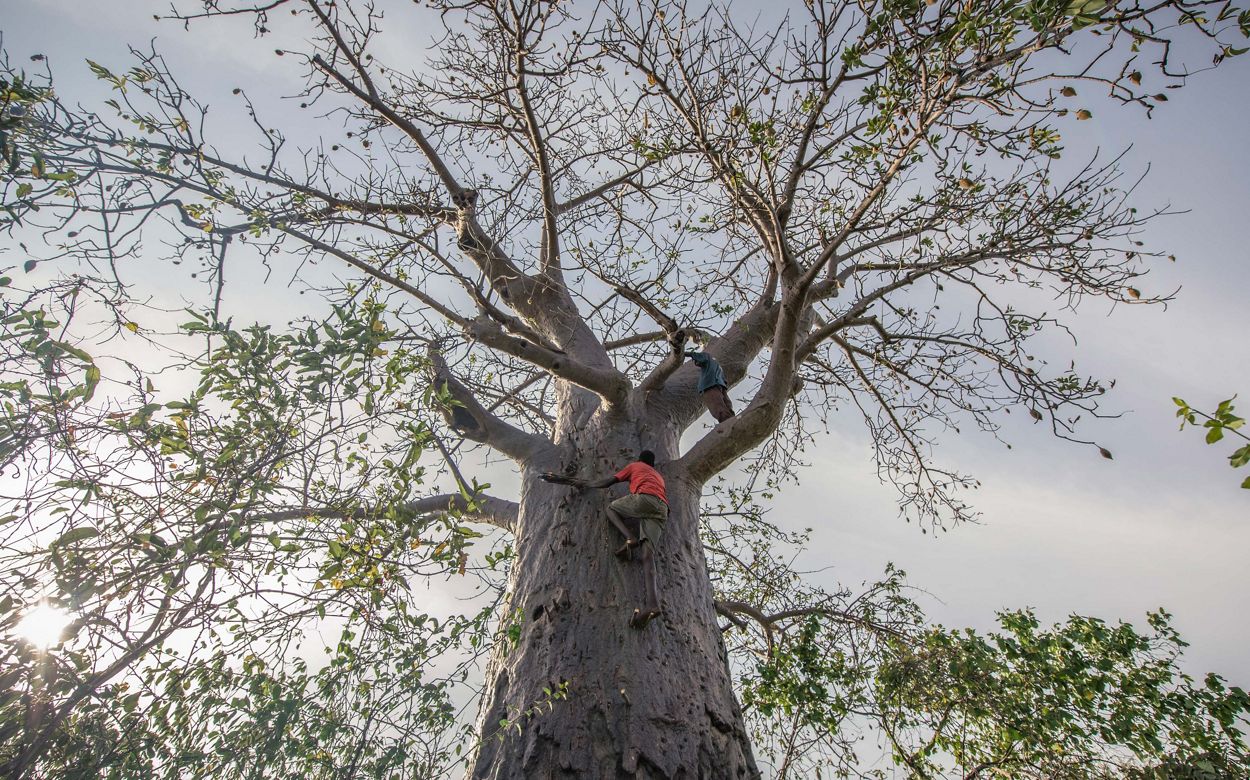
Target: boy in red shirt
646,503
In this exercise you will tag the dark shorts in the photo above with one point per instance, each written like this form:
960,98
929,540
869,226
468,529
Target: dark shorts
649,511
716,399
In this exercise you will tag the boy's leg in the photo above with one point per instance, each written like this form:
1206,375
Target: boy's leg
651,609
652,581
716,399
618,519
729,406
651,531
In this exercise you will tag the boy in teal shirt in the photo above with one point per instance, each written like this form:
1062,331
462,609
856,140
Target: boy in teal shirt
712,384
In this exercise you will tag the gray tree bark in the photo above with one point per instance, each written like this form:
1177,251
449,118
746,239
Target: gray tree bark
650,703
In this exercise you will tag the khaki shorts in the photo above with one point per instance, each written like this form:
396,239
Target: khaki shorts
650,512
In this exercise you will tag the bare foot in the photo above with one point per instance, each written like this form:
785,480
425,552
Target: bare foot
641,617
626,552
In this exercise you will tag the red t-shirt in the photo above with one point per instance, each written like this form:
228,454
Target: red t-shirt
643,479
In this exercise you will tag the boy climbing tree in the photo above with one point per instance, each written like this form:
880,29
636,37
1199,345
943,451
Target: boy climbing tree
712,385
646,509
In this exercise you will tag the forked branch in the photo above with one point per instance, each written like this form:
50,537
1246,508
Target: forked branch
466,415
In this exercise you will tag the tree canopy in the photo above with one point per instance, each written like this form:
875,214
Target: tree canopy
864,207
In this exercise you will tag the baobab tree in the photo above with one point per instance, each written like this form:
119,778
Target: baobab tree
863,206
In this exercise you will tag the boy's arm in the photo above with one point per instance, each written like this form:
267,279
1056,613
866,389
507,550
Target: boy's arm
606,482
560,479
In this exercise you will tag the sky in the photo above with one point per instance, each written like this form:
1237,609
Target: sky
1063,531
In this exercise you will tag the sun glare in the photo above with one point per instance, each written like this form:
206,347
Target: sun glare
43,626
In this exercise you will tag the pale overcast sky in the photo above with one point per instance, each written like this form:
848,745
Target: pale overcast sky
1163,525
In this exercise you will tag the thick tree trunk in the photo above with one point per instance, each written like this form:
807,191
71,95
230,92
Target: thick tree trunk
651,703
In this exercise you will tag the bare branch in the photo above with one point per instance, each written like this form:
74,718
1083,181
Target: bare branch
731,609
469,507
471,420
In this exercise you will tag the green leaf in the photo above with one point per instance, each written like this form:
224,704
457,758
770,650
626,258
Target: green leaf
1240,457
1085,6
1245,483
99,70
92,379
76,535
1215,433
72,350
152,539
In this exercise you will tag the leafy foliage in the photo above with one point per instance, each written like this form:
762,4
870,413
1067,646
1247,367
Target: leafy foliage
1055,702
834,683
1218,423
203,544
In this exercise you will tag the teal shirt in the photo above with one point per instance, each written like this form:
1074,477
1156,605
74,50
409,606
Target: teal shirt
710,374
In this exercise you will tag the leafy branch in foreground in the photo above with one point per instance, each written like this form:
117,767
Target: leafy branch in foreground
203,543
1218,423
832,684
